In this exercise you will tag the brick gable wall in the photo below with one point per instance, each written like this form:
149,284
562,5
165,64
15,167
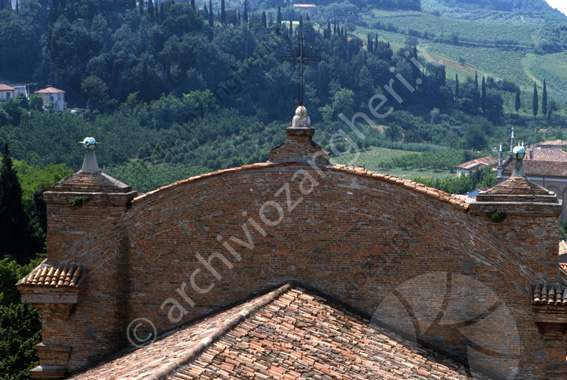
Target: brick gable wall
377,243
355,237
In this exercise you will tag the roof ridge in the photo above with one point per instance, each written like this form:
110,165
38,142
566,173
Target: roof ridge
220,332
412,185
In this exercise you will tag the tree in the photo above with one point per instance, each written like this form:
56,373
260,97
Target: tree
151,10
141,6
279,16
483,95
23,100
535,102
544,100
211,19
193,5
245,14
264,24
457,86
475,138
96,92
20,324
494,104
518,104
222,12
476,79
16,238
14,111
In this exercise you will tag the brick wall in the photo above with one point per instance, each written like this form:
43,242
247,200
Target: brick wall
361,238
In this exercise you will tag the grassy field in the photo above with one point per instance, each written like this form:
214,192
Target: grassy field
373,158
442,27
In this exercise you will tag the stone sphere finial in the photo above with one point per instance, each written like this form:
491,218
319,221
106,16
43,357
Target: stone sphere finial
89,143
301,120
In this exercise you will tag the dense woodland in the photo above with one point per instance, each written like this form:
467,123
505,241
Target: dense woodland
174,89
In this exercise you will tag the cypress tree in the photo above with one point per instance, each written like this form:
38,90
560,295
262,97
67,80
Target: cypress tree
193,5
476,79
263,19
457,86
205,11
151,8
518,104
141,5
222,12
16,238
279,16
245,14
535,104
544,100
211,19
483,95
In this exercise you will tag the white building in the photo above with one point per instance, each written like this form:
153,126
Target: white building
55,96
6,92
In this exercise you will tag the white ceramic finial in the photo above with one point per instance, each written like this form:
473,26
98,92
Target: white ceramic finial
89,163
301,120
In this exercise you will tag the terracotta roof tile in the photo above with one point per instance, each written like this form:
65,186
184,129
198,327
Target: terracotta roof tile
54,276
91,182
441,195
547,155
289,333
549,294
482,161
4,87
539,168
517,189
50,90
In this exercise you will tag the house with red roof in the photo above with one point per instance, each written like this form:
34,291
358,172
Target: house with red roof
53,95
6,92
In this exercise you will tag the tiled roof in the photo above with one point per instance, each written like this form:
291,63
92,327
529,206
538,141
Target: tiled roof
547,155
4,87
483,161
549,294
517,189
539,168
557,142
50,90
91,182
53,276
418,187
289,333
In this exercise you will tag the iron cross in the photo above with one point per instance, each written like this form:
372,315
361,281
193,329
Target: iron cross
301,59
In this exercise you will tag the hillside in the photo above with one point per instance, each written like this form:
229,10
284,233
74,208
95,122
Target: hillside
524,45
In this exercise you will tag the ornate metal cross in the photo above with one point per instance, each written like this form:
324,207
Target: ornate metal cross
301,59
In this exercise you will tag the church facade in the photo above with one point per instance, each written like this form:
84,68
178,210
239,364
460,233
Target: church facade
477,282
